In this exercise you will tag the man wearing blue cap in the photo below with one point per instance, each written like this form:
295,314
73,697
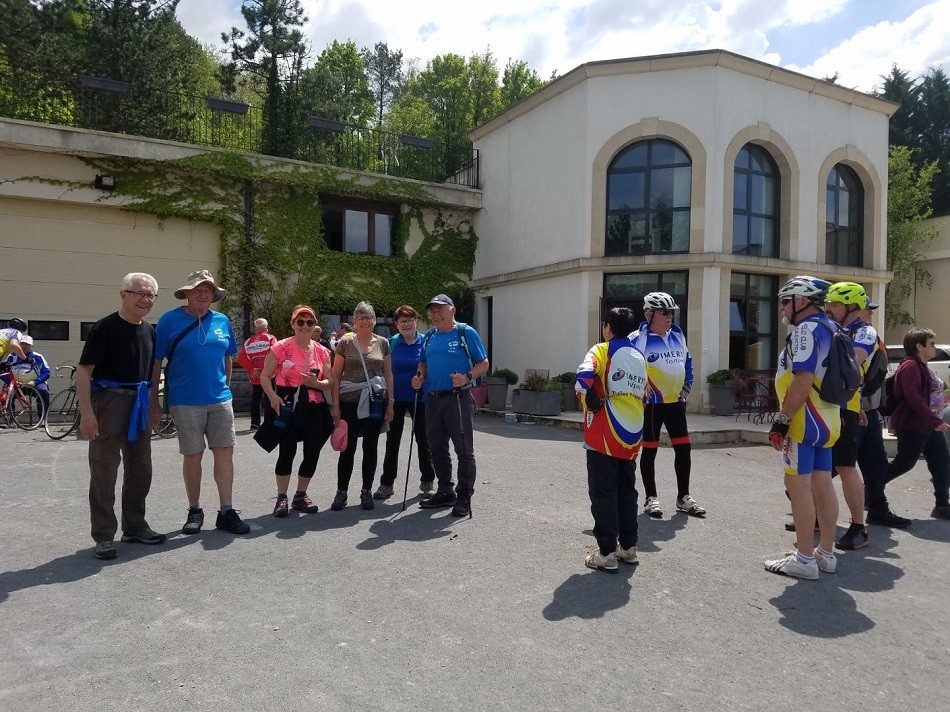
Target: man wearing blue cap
452,358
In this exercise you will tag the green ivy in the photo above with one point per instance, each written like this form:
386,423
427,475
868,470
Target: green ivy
275,255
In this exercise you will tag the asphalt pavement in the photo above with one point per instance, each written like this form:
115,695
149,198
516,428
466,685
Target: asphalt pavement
417,610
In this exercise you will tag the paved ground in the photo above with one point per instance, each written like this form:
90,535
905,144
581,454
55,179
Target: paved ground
419,611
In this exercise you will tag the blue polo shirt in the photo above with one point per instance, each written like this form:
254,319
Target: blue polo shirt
405,359
196,374
444,356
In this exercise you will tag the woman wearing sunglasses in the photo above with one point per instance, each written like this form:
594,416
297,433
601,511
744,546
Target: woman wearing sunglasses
296,372
361,357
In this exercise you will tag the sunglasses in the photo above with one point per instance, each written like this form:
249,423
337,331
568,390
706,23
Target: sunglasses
786,301
305,322
664,312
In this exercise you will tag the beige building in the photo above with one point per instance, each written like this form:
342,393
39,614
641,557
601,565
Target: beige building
928,305
66,243
706,175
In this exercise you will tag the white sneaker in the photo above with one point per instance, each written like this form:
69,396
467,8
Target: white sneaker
627,555
826,562
789,565
690,506
600,562
652,507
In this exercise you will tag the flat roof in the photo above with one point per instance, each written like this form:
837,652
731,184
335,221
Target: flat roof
686,60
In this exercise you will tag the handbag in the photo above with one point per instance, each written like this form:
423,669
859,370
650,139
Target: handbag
376,387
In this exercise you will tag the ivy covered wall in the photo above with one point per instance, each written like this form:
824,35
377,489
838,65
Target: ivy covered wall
272,252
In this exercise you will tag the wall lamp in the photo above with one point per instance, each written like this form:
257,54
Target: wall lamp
104,182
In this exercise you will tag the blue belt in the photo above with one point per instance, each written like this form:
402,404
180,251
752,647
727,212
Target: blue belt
138,421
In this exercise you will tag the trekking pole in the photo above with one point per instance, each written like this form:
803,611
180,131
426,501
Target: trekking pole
412,433
458,398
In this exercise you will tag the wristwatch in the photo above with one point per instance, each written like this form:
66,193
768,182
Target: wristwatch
469,376
783,419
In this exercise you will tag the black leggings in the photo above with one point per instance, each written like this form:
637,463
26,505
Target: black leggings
314,432
366,430
655,416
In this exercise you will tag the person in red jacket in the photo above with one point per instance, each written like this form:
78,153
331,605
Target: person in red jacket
251,358
918,427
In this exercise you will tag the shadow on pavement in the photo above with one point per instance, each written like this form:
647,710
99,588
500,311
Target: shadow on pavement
526,431
82,564
820,610
930,529
652,532
415,524
591,594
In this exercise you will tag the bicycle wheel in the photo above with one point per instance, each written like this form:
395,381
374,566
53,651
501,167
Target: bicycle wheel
167,428
27,408
63,415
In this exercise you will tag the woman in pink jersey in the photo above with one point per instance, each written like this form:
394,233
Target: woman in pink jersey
300,368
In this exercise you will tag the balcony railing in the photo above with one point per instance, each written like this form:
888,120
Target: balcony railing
108,105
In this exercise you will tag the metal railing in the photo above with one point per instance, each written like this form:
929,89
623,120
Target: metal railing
108,105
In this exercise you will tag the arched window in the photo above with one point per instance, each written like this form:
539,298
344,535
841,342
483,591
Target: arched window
648,195
844,218
755,203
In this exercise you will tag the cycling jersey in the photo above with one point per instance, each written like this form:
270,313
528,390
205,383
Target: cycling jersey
817,422
669,363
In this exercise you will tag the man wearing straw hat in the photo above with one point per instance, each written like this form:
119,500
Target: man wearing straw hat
198,345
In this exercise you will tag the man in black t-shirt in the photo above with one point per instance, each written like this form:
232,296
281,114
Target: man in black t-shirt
112,384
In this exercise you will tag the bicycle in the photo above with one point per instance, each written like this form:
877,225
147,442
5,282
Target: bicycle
166,428
63,415
20,404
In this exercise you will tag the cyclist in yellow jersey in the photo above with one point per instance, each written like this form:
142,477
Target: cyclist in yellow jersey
10,338
806,428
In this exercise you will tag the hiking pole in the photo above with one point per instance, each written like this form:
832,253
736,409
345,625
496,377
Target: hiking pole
458,397
412,433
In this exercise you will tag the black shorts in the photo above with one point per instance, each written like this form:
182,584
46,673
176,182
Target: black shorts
845,452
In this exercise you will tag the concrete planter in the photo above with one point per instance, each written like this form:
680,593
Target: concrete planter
536,402
480,395
722,399
569,400
497,393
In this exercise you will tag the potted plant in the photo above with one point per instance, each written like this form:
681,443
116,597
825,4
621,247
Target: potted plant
498,383
568,394
534,397
721,395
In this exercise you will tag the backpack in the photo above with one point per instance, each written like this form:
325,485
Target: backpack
877,367
842,377
462,328
890,401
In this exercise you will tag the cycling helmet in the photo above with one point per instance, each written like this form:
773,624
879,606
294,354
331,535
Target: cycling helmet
848,293
805,286
18,324
657,301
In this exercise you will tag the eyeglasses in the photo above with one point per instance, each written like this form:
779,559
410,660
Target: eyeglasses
148,296
204,290
786,301
366,317
406,320
305,322
665,312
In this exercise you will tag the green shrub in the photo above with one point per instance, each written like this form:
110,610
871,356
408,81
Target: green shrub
507,374
535,382
567,377
723,375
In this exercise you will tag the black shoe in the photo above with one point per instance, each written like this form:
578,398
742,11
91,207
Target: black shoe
941,511
887,518
790,527
855,538
145,536
442,498
230,521
196,518
463,506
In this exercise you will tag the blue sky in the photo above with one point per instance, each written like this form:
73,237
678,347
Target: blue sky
858,39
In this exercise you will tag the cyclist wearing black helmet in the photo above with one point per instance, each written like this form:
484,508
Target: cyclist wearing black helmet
10,338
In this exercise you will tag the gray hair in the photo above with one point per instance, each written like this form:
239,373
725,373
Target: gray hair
258,323
364,308
139,277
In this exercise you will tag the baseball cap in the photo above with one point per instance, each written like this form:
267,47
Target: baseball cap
302,310
443,299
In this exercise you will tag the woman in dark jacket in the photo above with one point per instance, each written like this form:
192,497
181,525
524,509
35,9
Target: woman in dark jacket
919,430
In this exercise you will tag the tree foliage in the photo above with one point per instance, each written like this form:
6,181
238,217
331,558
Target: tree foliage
518,82
908,203
385,76
337,87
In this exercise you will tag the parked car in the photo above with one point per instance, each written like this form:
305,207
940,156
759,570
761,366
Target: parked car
940,365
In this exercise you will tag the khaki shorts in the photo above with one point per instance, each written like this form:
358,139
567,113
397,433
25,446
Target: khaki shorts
197,422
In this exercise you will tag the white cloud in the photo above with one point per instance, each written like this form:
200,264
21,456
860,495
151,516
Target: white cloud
916,43
561,34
